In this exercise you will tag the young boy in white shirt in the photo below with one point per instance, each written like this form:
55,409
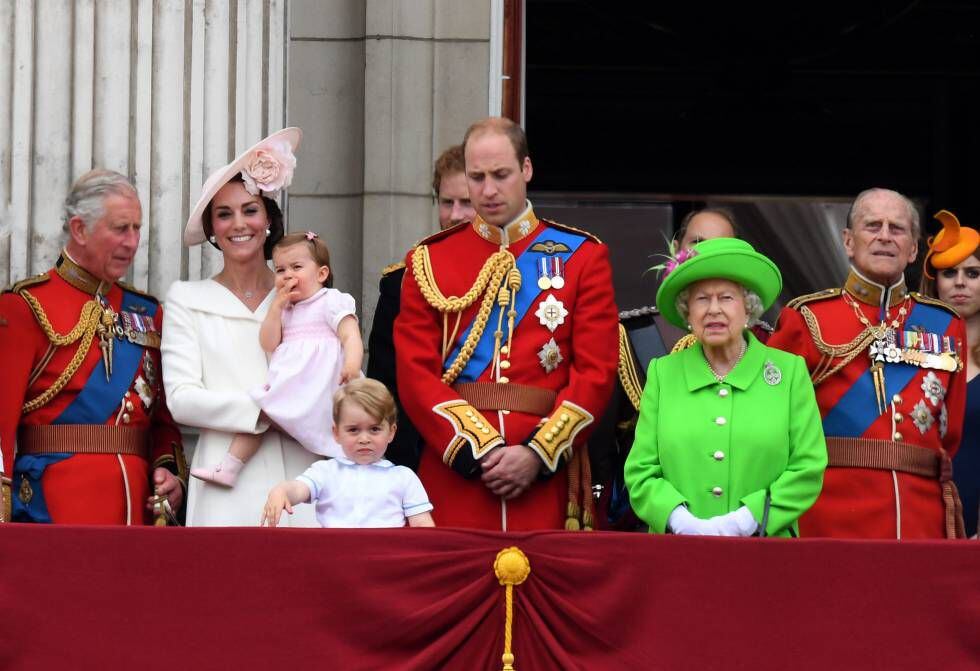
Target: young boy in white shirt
362,488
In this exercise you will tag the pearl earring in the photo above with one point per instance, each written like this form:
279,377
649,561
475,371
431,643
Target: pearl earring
212,240
688,327
268,231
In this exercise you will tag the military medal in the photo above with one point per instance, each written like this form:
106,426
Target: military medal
551,313
551,269
550,356
544,274
557,272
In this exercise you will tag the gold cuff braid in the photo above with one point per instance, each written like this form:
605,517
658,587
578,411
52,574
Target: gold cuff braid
471,428
556,435
492,276
5,500
85,330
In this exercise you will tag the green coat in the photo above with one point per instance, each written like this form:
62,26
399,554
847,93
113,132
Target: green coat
716,446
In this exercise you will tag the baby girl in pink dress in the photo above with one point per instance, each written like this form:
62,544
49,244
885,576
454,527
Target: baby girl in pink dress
316,347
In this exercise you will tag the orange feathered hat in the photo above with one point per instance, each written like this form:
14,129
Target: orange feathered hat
950,246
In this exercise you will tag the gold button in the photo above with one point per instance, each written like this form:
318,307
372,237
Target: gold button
478,425
719,455
896,399
505,350
129,406
721,421
898,417
559,425
503,380
716,492
564,417
485,429
897,436
125,418
469,413
723,392
504,365
549,436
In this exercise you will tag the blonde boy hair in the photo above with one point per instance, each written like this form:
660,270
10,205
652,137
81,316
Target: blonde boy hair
371,395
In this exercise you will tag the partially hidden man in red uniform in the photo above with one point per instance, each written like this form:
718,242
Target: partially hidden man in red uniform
85,432
887,367
506,349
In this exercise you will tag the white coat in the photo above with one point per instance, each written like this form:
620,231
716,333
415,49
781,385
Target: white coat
211,357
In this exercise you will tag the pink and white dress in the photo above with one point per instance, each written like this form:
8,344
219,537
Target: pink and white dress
304,371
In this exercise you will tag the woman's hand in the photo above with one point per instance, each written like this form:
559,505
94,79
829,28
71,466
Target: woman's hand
274,505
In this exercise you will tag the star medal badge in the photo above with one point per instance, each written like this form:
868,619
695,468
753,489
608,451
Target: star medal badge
550,356
551,313
771,374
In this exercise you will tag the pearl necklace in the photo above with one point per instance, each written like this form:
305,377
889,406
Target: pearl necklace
718,377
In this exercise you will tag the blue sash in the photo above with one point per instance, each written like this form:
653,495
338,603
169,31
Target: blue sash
857,409
527,264
99,398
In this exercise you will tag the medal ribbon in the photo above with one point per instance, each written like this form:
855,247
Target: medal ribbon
100,397
857,410
527,263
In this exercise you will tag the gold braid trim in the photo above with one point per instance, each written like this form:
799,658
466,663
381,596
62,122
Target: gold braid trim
488,281
687,340
849,351
85,329
628,377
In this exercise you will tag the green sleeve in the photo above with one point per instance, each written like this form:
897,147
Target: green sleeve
652,497
795,490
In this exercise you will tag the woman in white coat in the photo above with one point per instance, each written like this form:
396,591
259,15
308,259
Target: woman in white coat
211,351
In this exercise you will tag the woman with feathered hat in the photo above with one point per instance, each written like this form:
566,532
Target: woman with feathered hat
729,440
211,350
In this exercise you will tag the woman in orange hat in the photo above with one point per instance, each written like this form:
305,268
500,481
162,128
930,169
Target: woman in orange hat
951,272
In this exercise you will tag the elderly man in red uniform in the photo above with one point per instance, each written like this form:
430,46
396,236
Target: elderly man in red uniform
887,366
506,347
83,421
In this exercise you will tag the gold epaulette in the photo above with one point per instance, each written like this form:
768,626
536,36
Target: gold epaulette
929,300
687,340
389,269
130,288
439,235
629,379
815,296
30,282
572,229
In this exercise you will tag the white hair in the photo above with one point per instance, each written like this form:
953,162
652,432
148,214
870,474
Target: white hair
753,304
86,199
858,204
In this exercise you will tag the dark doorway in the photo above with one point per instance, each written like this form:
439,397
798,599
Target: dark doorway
772,99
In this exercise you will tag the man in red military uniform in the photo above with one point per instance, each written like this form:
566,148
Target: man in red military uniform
83,419
887,366
506,348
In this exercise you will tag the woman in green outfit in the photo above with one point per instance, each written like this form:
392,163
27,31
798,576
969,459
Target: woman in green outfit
729,441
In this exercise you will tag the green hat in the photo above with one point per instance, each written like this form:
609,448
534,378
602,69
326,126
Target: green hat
720,259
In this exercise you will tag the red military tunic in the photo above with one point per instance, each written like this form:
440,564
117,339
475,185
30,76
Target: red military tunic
926,412
558,364
69,486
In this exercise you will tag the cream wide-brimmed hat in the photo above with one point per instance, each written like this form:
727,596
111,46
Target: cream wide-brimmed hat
266,169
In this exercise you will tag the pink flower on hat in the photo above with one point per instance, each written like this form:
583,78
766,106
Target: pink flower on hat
269,169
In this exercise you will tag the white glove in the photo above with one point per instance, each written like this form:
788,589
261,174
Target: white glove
737,523
683,523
